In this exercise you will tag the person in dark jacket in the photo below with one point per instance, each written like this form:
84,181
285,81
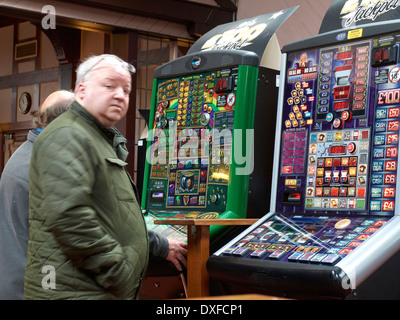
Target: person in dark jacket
87,234
14,200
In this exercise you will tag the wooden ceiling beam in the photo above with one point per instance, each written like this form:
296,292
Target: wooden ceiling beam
198,17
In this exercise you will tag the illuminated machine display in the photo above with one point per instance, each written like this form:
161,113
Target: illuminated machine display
189,172
199,153
333,229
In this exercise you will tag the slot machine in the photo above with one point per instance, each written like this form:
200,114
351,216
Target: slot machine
196,115
205,108
333,229
203,159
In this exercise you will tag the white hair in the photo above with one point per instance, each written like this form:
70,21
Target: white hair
87,66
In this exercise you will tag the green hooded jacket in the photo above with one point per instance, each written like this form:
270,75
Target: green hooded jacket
87,235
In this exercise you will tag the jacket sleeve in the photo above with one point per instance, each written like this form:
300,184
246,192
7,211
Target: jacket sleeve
158,244
66,173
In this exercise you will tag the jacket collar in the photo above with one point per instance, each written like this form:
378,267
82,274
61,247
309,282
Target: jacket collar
112,135
32,135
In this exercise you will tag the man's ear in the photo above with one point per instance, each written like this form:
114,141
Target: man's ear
81,91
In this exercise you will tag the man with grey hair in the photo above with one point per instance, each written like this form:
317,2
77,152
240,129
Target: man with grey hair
86,226
14,200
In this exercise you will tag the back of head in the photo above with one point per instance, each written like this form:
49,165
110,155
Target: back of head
55,104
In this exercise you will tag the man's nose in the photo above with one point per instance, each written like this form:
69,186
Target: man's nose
119,93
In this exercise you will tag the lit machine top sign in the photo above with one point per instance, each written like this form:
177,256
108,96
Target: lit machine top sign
251,34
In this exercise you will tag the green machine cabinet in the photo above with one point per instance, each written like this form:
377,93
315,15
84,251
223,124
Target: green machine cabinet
200,140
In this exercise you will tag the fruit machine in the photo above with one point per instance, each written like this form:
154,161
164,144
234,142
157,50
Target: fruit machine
333,229
205,108
192,139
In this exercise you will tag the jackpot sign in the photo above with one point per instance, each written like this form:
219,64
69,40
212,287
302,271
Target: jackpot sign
237,38
355,11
